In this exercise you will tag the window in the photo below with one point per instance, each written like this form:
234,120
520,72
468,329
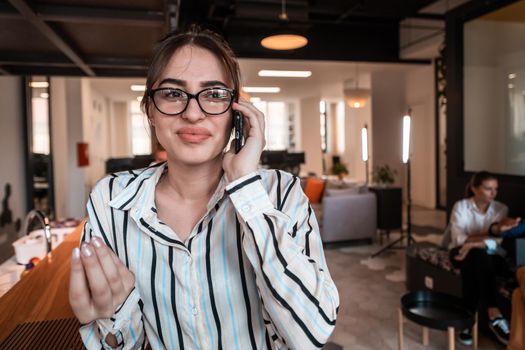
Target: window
324,126
140,131
277,131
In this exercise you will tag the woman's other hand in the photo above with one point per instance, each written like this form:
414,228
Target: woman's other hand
247,160
465,249
99,282
505,225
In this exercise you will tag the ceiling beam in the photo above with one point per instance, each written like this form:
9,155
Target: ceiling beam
28,13
429,16
81,14
56,60
74,71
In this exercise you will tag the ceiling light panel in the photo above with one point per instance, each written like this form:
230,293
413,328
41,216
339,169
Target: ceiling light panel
262,89
285,73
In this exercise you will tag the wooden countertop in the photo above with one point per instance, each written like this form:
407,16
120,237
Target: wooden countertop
43,293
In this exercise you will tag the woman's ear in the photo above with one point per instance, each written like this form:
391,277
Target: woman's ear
151,121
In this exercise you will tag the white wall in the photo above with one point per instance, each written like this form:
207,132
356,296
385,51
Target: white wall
12,150
83,114
420,96
12,141
311,139
119,126
392,94
77,193
355,120
388,108
59,145
96,131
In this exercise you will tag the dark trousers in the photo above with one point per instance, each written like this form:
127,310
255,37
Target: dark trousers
478,274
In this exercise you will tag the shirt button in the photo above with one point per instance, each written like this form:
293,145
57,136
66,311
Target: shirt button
246,208
194,311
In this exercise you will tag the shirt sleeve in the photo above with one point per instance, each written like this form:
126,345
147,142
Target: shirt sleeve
281,239
123,325
126,323
458,226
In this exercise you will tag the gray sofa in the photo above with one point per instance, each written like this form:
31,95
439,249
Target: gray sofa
347,214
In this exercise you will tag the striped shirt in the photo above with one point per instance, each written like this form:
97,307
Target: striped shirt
251,275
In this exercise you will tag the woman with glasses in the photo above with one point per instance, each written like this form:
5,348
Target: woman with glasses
205,250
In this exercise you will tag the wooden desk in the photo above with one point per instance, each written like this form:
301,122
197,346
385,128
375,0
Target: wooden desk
43,293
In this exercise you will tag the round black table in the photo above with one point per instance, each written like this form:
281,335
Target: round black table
436,311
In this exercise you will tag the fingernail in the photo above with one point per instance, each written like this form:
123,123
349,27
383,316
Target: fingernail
96,242
76,254
86,251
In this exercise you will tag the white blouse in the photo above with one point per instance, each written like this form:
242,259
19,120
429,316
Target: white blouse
466,219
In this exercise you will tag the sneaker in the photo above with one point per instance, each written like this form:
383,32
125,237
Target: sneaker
500,328
465,337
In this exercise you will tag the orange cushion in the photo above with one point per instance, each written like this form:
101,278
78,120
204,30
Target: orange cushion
314,189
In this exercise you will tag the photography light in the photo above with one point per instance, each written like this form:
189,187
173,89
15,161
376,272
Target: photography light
406,137
364,143
364,150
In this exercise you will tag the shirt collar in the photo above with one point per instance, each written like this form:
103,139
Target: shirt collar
139,195
474,207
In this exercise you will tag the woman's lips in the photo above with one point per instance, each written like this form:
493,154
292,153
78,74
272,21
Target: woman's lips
193,134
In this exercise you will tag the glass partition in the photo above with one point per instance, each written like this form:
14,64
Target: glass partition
494,91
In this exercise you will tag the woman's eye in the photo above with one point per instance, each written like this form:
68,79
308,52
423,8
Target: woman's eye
216,94
172,93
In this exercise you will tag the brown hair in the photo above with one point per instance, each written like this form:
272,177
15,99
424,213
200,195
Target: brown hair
476,180
198,37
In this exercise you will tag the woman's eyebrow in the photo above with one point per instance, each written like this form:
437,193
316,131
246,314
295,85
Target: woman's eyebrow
173,81
211,83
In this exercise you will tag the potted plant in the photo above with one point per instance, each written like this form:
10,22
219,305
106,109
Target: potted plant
340,170
384,175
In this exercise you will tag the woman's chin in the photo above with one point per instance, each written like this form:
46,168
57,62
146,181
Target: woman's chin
197,157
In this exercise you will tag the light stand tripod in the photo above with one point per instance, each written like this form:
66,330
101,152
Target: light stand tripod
406,160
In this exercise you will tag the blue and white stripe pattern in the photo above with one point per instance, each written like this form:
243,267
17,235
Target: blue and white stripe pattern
251,275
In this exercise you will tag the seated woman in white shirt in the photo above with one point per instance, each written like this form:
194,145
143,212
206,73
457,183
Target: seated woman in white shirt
205,250
474,220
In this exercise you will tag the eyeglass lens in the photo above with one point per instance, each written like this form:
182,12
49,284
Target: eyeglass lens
174,101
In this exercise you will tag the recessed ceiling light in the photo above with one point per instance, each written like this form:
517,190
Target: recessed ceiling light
44,95
138,87
39,84
511,86
139,98
285,73
262,89
255,99
512,75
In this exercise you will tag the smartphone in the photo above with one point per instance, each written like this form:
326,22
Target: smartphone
238,125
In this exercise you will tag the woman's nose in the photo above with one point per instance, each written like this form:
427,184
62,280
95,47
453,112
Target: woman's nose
193,112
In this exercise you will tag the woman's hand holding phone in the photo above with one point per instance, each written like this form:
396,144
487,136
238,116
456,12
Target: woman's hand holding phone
237,165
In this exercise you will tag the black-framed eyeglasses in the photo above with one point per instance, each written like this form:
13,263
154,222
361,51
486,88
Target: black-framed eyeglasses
171,101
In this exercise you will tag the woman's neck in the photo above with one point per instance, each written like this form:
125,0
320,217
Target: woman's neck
481,205
193,182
